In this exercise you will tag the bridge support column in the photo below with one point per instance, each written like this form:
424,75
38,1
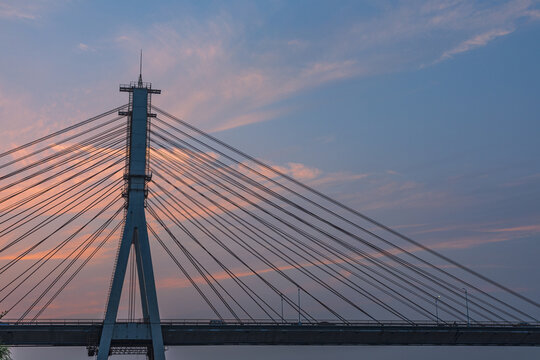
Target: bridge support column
135,231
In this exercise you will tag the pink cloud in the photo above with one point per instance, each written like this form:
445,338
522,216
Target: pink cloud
337,177
524,228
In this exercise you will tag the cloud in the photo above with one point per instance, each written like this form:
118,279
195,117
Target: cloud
220,84
416,33
439,229
246,119
299,171
337,177
305,173
469,242
12,105
459,243
522,181
322,72
297,44
387,193
475,42
533,229
487,22
27,9
121,38
214,79
85,47
534,14
12,11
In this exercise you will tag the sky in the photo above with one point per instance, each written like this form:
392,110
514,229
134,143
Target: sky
421,114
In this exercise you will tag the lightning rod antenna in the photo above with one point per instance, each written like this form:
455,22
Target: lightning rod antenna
140,71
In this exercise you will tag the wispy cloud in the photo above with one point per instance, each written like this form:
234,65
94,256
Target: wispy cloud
300,171
519,229
222,85
12,11
437,29
460,243
246,119
26,9
522,181
337,177
474,42
85,47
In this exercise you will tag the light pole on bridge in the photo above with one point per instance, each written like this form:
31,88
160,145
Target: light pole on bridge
467,306
437,308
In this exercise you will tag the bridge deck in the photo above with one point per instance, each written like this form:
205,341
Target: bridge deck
183,333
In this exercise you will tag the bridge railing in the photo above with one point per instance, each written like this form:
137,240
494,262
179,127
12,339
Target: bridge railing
266,322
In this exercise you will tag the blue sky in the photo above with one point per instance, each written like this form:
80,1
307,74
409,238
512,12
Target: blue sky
423,114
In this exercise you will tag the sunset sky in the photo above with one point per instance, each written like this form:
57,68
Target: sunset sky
421,114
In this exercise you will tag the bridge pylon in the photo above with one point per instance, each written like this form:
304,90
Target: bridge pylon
135,236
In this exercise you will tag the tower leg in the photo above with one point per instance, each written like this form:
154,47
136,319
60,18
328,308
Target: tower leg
142,283
116,290
143,247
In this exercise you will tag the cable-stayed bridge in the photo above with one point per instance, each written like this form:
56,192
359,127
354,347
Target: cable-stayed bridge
262,257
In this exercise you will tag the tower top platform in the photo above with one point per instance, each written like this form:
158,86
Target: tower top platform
139,85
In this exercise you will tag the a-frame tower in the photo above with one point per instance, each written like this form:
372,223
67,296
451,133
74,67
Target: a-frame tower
135,235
